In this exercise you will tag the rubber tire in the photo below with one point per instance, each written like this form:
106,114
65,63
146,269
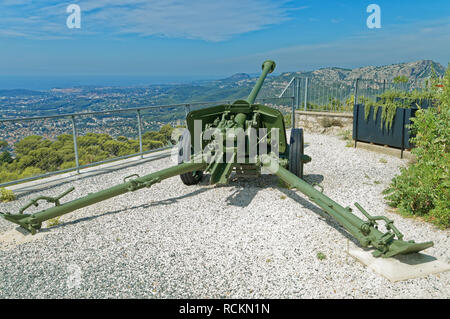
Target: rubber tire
184,154
296,147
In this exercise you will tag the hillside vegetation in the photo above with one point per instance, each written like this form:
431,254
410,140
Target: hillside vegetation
36,155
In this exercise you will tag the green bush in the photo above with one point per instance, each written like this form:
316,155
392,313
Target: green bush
329,122
6,195
53,222
422,189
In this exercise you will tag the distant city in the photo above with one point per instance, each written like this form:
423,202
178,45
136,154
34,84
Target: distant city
48,82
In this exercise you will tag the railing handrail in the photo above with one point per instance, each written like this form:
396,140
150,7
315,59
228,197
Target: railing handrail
287,86
131,109
33,118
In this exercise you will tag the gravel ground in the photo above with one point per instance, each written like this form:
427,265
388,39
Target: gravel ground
249,239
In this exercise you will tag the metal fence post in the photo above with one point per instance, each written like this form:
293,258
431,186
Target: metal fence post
139,119
356,93
187,110
297,92
306,93
293,112
75,144
294,91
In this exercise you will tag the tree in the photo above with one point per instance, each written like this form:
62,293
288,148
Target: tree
3,144
5,157
122,139
166,131
113,147
30,143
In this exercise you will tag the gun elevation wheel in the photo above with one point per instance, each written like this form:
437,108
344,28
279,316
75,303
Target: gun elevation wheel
184,154
296,147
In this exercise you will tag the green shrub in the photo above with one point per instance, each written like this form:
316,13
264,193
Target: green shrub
6,195
422,189
347,136
321,256
440,215
53,222
329,122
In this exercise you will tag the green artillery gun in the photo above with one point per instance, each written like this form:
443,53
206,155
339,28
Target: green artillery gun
242,137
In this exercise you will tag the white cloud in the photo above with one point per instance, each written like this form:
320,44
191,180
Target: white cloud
195,19
402,43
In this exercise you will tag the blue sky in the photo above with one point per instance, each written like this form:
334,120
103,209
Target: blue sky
215,38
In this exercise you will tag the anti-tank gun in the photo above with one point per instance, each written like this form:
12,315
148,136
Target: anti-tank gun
243,137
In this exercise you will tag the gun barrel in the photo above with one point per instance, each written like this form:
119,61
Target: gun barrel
267,67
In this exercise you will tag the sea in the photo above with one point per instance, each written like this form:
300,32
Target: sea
47,82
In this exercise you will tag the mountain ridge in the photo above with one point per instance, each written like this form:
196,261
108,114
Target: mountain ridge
415,70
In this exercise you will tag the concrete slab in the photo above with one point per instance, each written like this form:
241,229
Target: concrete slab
401,267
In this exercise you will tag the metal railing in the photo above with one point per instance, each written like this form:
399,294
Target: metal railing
72,117
339,95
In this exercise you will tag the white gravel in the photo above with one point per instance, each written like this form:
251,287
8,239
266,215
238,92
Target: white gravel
249,239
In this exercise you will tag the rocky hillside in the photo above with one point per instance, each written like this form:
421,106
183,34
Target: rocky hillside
416,72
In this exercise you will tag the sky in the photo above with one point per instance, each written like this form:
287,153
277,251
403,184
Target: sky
207,38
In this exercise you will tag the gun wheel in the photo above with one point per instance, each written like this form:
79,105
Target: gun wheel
184,154
191,178
296,147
